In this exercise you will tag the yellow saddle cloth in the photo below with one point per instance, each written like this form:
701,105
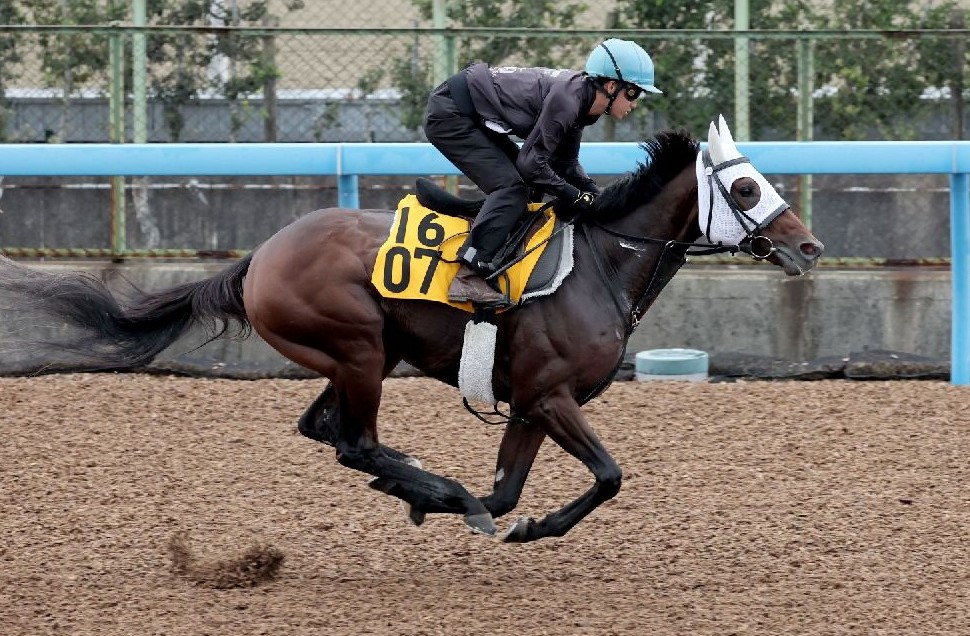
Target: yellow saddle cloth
416,261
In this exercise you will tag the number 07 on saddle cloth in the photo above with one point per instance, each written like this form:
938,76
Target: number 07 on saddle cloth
416,260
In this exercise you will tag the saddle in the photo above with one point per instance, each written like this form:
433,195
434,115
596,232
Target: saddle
418,260
554,263
433,197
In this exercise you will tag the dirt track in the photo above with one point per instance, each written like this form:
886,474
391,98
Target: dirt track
769,508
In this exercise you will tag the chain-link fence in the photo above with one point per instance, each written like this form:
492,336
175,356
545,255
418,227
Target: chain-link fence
365,77
295,84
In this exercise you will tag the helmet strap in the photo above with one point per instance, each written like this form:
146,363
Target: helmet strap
616,67
612,96
619,80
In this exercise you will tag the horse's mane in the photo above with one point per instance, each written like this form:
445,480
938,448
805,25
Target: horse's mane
669,153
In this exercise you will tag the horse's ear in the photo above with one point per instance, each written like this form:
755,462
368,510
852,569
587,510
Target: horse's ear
728,148
714,145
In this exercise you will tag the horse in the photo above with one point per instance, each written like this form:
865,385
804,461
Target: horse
307,292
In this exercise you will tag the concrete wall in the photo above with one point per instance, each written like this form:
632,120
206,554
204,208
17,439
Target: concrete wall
756,310
825,313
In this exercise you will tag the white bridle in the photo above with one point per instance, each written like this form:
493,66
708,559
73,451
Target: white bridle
722,221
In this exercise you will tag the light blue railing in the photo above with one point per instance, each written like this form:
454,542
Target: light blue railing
348,161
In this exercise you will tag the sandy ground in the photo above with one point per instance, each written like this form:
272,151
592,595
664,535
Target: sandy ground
748,508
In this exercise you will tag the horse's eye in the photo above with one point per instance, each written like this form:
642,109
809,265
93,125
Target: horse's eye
746,191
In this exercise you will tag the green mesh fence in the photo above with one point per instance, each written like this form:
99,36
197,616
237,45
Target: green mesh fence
286,84
328,71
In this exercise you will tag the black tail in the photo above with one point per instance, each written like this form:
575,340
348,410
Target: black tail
115,336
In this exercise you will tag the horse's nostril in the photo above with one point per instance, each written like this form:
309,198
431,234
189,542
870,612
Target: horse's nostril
811,249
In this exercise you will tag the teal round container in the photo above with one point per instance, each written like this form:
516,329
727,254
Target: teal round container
672,364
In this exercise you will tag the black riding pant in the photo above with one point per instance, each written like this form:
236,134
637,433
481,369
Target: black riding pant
488,159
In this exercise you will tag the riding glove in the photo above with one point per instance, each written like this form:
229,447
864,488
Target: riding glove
573,202
585,201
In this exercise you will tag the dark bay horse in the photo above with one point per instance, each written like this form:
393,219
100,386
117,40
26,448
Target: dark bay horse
307,291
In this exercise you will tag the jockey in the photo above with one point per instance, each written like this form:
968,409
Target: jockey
471,115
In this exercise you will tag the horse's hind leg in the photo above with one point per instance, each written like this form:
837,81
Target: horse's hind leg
321,420
357,448
355,360
320,423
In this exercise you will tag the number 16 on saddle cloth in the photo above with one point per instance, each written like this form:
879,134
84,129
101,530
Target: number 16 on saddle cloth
416,262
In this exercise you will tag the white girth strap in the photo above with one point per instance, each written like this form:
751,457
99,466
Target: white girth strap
477,360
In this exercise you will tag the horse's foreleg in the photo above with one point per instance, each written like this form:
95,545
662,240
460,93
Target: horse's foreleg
561,419
516,454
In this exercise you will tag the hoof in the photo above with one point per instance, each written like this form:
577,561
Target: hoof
519,532
481,523
415,516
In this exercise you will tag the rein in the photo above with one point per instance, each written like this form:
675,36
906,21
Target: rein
668,244
500,271
632,321
758,247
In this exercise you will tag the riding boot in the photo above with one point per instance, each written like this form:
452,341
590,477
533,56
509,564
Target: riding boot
469,286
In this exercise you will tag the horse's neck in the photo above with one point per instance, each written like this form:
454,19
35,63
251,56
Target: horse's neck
633,264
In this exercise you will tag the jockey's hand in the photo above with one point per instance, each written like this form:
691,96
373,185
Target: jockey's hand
571,208
585,201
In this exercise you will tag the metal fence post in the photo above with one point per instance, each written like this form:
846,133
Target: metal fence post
958,21
270,104
116,133
960,272
139,63
742,73
347,191
444,62
806,120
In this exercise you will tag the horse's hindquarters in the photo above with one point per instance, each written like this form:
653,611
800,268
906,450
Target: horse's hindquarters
308,292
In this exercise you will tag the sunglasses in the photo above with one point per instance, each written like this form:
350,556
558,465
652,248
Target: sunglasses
632,92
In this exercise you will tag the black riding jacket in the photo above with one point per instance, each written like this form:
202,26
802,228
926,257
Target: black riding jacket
548,109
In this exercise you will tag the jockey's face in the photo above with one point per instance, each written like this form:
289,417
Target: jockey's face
626,99
623,105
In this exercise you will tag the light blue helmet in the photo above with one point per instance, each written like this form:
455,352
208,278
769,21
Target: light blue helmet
623,60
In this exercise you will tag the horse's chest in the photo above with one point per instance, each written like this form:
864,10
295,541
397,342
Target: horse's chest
582,355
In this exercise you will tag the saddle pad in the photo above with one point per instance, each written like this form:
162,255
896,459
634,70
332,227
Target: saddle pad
416,262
